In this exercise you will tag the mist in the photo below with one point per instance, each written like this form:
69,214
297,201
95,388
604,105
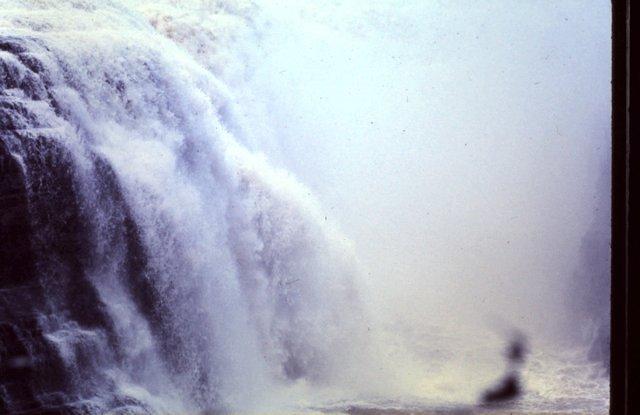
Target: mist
458,145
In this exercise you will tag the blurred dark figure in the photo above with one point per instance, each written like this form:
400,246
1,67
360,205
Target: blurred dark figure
517,350
509,387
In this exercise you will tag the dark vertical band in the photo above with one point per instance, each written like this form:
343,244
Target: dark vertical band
620,224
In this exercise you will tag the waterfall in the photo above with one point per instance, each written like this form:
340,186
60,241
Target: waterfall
151,262
184,185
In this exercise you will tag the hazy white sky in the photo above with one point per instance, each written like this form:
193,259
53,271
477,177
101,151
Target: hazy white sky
457,143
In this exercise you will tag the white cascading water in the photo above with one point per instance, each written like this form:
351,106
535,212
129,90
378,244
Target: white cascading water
176,269
243,284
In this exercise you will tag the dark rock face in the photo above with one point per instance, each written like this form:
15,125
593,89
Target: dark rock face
17,286
43,251
15,253
25,357
28,363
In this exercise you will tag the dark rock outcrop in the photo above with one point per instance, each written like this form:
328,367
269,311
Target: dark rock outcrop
41,244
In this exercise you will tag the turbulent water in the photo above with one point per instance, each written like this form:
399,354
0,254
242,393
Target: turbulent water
153,263
169,265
